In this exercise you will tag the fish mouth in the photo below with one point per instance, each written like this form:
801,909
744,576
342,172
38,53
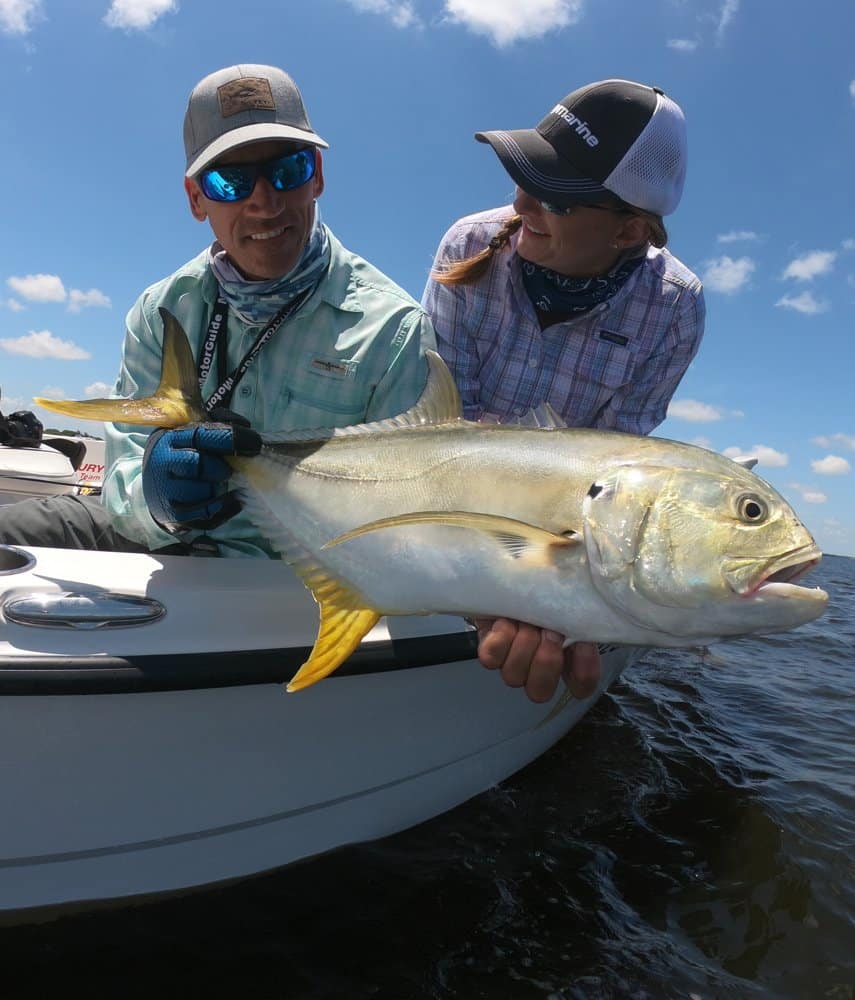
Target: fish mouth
778,578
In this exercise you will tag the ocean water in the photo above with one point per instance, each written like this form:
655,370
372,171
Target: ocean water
693,837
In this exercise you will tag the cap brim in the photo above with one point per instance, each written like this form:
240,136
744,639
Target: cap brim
259,132
538,170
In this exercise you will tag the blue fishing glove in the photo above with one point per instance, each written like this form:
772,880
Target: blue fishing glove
185,478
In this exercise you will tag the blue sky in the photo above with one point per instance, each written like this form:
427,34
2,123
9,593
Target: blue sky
92,96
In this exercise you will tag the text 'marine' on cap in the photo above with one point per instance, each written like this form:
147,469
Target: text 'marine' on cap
611,137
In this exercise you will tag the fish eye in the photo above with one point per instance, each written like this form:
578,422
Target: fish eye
751,508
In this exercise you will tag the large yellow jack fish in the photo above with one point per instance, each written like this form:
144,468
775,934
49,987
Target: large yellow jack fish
601,536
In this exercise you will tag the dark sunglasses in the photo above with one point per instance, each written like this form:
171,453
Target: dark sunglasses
553,209
237,181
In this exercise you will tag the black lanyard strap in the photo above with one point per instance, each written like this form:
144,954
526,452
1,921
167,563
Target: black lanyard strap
215,343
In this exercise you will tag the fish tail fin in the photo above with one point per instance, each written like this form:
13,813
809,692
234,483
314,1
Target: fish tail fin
176,401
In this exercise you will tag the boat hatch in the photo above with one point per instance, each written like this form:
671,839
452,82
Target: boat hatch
82,611
14,560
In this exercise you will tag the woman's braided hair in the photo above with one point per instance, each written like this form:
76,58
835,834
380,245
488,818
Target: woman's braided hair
470,269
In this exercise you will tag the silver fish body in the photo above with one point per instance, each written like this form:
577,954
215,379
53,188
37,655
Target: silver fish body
642,538
601,536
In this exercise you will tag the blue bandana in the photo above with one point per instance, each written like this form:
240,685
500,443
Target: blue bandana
552,292
257,302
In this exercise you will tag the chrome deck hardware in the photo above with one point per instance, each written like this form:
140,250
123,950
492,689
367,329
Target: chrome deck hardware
82,611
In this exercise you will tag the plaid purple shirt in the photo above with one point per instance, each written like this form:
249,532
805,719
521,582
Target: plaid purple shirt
615,367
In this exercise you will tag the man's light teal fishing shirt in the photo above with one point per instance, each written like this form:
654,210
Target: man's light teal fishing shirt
354,352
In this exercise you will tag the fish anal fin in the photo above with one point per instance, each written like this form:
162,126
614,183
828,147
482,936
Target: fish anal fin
518,538
345,621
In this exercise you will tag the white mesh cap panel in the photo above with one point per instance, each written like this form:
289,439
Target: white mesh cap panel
652,173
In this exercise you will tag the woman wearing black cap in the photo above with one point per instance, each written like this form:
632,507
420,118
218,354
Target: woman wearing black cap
569,296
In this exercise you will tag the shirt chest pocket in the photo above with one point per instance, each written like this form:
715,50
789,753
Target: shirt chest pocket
588,374
606,359
326,392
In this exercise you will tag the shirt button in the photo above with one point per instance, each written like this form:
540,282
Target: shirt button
533,362
246,390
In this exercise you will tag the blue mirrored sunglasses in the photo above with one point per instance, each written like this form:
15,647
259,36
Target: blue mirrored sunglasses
237,181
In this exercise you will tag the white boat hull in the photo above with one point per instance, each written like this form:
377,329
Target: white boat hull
121,779
45,471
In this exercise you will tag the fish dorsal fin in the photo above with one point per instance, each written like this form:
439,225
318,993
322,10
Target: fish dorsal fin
439,403
543,416
746,461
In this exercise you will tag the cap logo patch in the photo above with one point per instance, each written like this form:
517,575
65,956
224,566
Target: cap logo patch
251,93
578,126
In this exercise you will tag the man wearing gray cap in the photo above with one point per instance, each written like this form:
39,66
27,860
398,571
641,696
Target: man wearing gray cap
569,296
290,330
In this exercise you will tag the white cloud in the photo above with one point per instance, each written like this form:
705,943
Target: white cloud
53,392
729,10
400,12
43,344
831,465
78,300
810,494
98,390
724,274
852,90
848,244
810,265
13,305
682,44
738,236
508,21
827,441
804,303
763,453
38,287
693,411
18,17
137,14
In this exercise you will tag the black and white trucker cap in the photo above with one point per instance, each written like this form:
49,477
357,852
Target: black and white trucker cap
612,137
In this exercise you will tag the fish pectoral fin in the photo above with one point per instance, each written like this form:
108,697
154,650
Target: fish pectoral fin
176,400
518,538
345,621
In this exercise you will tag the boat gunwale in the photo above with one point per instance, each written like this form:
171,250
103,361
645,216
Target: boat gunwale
51,674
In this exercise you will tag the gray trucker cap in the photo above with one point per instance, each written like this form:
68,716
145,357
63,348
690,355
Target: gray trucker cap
240,105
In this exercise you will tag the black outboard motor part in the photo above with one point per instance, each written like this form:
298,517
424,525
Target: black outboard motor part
21,429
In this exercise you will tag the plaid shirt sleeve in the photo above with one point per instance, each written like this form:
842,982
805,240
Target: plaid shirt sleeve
449,307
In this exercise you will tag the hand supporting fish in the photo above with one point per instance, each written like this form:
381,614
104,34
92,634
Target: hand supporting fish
602,536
